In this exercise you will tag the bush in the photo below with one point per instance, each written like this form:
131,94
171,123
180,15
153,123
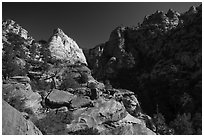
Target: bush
69,82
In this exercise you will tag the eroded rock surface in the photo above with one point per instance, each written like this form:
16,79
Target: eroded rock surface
21,97
13,122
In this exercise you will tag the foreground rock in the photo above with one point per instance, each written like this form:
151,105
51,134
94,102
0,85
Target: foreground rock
128,129
13,122
21,97
58,98
106,117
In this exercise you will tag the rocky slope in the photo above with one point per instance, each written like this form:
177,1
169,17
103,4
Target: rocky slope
14,123
161,61
50,84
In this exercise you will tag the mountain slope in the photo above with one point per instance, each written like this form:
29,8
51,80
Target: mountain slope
160,60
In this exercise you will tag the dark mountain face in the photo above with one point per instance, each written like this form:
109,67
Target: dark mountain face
161,61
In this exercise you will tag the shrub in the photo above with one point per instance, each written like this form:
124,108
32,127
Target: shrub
69,82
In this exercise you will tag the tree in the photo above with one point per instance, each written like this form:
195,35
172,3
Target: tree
161,126
15,55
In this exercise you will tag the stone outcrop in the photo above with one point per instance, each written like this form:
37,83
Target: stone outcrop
14,123
58,98
64,48
106,117
21,97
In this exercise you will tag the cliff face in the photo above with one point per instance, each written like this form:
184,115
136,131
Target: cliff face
50,84
160,60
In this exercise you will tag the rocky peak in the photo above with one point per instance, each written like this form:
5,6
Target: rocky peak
65,48
192,9
199,8
170,19
10,26
156,18
192,15
58,30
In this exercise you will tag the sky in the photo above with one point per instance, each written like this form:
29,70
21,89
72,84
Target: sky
88,23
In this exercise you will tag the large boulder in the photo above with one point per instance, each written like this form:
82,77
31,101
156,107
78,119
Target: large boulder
21,97
55,121
106,117
102,112
58,98
13,122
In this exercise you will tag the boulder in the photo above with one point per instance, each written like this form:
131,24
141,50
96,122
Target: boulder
107,117
128,129
102,112
21,97
55,121
129,100
58,98
13,122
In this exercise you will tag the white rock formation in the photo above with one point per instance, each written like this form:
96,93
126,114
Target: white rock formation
64,48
